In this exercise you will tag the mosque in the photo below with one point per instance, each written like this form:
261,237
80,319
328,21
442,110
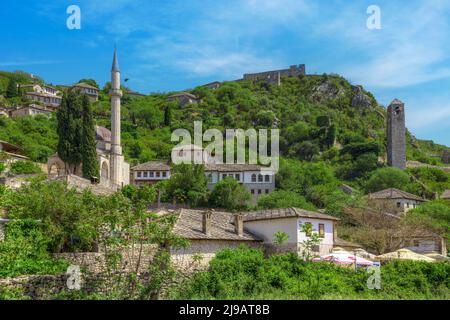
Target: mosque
114,171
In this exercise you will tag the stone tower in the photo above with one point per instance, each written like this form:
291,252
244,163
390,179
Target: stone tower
396,135
117,159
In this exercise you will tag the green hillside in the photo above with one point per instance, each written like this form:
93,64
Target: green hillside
322,119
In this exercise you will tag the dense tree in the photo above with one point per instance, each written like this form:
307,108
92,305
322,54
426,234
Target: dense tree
385,178
187,184
284,199
228,193
12,90
88,143
69,129
167,116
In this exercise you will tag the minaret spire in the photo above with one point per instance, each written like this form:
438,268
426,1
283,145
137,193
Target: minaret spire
116,159
115,64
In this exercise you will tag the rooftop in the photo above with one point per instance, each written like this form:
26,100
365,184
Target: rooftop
103,134
232,167
183,94
85,85
285,213
190,222
153,165
393,193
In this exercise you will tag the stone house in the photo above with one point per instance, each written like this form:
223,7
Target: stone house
150,172
210,231
12,152
183,98
90,91
31,110
46,95
394,201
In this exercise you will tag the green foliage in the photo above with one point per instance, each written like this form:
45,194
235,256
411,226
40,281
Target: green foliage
284,199
24,167
187,184
69,129
88,143
280,237
12,91
24,251
244,273
228,193
2,167
385,178
435,215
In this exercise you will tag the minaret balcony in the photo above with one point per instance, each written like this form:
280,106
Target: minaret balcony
115,93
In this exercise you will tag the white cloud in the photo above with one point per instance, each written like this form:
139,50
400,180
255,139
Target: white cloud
410,49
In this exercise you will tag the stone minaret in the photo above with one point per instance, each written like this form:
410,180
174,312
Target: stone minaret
396,135
116,160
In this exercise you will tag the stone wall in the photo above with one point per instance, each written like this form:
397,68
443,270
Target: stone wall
133,258
274,76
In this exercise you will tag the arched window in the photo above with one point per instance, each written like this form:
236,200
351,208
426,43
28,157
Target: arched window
260,178
253,177
266,178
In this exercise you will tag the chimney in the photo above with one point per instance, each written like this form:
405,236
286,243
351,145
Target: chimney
239,225
207,222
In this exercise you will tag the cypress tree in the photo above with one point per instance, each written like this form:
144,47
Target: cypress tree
88,144
69,129
11,91
167,116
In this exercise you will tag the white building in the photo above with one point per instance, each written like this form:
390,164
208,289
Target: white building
210,231
47,95
254,178
150,172
264,224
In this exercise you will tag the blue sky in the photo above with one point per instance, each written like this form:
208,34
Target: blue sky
174,45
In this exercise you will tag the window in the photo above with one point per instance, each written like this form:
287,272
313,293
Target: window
259,191
266,178
399,205
224,176
237,176
252,191
164,174
267,191
321,230
158,174
260,178
139,174
253,177
152,174
145,174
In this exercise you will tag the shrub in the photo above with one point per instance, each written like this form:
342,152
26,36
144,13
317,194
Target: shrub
244,273
25,167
